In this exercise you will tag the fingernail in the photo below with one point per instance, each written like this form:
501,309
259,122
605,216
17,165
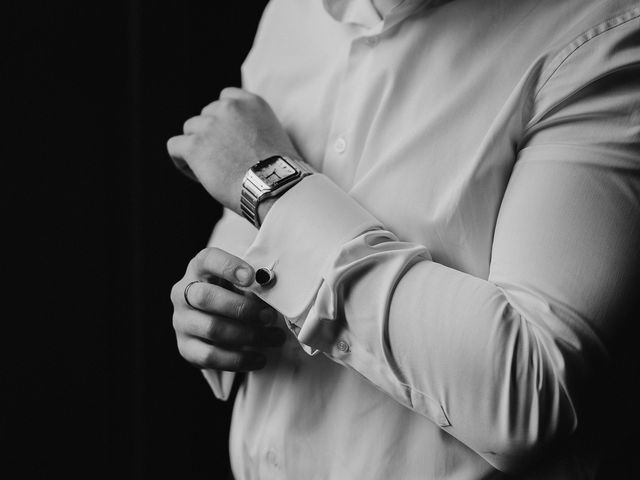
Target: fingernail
243,274
274,336
267,316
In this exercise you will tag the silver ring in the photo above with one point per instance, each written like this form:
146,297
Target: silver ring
186,293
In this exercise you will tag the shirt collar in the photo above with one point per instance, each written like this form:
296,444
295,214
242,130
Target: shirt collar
364,14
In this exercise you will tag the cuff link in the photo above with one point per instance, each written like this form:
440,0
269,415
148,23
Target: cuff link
343,346
265,277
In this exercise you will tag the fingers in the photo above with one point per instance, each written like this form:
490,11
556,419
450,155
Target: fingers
179,146
215,263
221,301
225,332
203,355
198,124
215,324
229,96
235,93
206,119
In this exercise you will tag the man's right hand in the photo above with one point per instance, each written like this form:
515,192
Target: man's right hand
226,329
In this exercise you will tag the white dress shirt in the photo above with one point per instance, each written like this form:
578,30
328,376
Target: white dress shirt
461,266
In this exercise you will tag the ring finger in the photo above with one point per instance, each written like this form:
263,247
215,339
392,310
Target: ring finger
203,355
218,300
227,332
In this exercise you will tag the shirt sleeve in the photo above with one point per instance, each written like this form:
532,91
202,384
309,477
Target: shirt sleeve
501,363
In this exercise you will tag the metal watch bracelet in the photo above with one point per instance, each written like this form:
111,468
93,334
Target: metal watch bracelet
252,195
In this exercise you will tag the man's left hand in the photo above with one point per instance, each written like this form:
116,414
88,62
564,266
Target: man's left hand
230,136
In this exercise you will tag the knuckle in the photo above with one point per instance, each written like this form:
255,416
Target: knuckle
195,262
229,268
193,266
227,103
183,350
175,294
175,322
230,93
201,257
189,125
206,110
171,145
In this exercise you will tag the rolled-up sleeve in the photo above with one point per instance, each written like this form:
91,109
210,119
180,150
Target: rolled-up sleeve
499,362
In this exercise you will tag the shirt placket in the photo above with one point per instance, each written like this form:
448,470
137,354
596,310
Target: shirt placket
345,140
348,133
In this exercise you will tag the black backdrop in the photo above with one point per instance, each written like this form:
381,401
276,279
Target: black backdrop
98,225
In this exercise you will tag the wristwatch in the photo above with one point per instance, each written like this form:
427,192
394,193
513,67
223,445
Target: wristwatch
269,178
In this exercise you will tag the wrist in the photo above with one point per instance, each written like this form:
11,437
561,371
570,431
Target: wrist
266,181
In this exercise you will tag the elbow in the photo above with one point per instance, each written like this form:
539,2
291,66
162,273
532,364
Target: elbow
515,447
533,411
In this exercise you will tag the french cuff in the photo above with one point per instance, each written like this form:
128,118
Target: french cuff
298,240
221,382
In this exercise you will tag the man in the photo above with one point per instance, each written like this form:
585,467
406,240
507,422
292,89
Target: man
451,244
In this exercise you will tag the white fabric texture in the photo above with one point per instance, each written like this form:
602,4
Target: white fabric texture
461,266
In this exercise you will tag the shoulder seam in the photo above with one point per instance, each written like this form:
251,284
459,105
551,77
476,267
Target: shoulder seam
583,39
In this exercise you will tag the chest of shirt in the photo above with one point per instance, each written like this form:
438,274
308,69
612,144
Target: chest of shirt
420,122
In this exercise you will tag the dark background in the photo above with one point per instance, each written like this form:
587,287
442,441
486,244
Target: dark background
97,226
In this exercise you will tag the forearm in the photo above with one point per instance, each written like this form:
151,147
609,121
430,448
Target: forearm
497,362
455,349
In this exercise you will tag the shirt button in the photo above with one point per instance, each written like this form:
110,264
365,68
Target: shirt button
272,459
340,145
372,41
342,346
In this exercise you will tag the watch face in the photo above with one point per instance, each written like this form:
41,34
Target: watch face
274,172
